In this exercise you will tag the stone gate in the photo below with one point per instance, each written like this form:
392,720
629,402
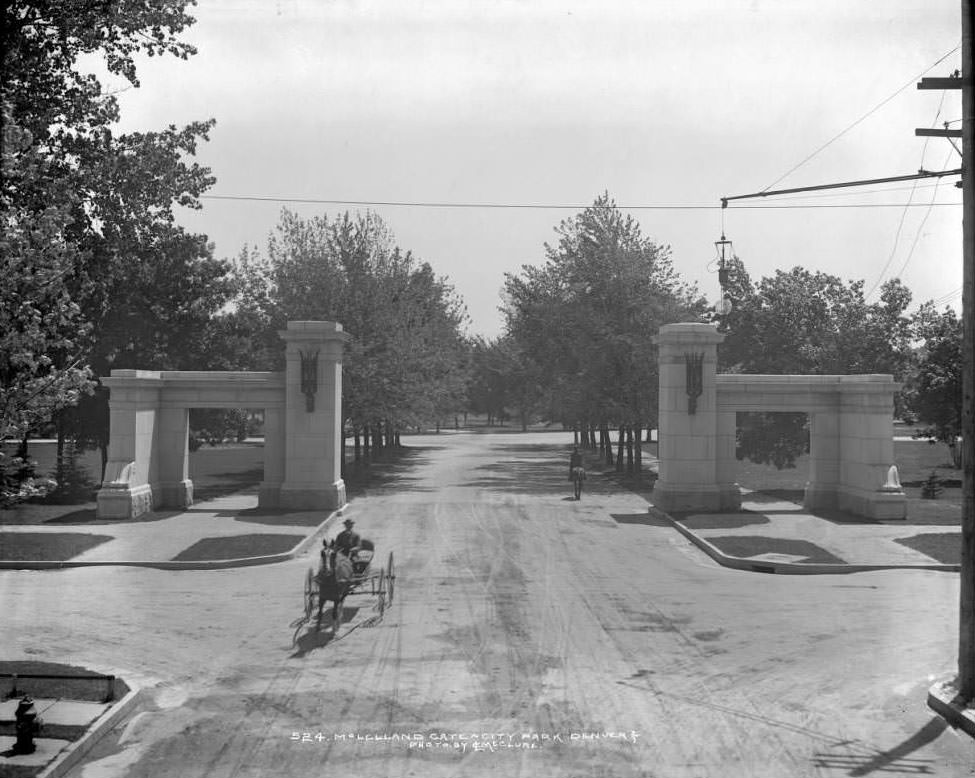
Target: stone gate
850,420
148,465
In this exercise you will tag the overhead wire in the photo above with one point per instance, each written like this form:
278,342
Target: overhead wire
900,224
861,119
541,206
917,236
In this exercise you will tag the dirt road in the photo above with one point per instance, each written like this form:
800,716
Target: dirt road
531,635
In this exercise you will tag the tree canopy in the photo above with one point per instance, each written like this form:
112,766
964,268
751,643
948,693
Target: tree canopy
407,360
98,273
585,317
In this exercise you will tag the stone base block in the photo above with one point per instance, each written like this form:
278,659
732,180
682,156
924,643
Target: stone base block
682,498
310,497
269,495
819,497
882,505
176,494
115,502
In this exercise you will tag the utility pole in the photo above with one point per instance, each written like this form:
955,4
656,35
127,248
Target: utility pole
966,83
966,605
966,613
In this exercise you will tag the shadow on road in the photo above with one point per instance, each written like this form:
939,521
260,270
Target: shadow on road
893,759
647,519
320,634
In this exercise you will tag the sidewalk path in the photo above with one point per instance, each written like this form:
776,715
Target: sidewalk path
857,544
162,539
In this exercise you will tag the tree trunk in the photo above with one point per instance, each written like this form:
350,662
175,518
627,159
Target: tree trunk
619,449
638,448
357,444
59,456
607,444
629,450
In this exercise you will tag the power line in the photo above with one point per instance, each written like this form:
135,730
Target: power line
866,115
917,236
900,224
549,206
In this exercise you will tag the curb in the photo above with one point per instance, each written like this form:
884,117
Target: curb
943,700
202,564
72,754
784,568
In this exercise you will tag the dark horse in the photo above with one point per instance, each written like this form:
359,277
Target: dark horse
334,581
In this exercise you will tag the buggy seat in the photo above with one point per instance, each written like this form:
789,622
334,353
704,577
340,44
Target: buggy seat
362,558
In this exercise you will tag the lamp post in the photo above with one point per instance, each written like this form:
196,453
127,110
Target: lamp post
723,306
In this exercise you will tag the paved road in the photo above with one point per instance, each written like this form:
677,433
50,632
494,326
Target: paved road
521,619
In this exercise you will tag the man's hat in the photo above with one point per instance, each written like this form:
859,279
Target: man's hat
348,522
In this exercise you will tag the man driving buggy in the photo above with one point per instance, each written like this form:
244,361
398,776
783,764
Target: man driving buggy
348,540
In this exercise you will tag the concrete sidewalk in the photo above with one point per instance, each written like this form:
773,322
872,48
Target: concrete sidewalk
857,546
155,542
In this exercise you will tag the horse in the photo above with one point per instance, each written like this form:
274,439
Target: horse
334,581
578,476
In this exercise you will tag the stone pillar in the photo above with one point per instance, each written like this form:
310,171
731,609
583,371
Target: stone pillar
313,416
727,462
269,493
824,460
132,467
175,486
867,447
688,426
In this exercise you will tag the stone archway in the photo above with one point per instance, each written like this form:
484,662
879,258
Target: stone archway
148,457
851,437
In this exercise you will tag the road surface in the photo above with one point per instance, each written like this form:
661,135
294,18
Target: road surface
531,635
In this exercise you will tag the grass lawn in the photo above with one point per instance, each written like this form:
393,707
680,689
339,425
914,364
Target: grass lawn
943,547
214,470
753,545
238,547
722,520
915,459
46,546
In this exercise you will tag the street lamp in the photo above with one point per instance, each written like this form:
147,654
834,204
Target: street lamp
723,306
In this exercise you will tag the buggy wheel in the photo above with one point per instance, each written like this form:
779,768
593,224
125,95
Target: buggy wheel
309,592
390,578
381,586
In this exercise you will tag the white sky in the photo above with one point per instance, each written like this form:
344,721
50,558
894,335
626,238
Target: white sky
660,103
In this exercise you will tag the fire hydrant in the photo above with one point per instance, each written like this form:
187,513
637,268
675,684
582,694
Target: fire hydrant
26,725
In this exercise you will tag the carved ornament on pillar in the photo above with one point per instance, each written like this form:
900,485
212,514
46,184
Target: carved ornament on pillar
695,379
309,378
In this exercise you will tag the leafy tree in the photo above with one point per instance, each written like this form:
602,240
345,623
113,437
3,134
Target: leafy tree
42,368
585,318
134,289
406,364
935,388
808,323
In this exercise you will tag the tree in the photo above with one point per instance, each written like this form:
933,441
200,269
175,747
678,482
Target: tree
41,327
808,323
134,289
585,318
406,363
935,388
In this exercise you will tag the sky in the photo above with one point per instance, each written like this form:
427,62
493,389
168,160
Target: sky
667,106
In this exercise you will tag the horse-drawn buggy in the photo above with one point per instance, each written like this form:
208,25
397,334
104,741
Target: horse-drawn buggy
343,573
